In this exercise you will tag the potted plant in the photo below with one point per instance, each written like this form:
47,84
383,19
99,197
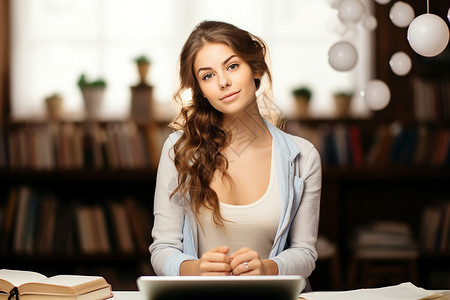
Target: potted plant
143,65
302,97
342,102
93,92
53,103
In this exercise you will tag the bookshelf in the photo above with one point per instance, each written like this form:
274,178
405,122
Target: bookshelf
77,197
394,165
381,166
389,178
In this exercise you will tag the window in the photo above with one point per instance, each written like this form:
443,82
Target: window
55,41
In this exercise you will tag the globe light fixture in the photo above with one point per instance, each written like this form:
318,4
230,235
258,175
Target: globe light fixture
342,56
428,35
401,14
400,63
376,94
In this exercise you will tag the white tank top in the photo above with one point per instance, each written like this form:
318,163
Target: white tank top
253,225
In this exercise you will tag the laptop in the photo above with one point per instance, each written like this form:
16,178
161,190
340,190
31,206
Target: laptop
220,287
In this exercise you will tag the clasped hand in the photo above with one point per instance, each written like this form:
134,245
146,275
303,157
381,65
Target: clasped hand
217,262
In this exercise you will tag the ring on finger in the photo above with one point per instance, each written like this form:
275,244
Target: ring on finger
245,264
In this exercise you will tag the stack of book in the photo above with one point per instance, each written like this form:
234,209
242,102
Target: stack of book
385,240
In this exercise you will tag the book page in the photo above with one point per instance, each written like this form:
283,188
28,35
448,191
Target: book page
17,278
404,291
65,284
100,294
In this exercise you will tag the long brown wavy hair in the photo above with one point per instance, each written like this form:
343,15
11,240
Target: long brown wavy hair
198,151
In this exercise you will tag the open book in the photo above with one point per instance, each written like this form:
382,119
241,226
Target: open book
403,291
26,285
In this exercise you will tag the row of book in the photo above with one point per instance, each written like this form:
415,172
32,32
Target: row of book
431,99
125,145
386,145
50,146
435,231
33,222
385,240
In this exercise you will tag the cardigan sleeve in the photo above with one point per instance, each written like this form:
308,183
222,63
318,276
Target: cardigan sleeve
169,213
300,257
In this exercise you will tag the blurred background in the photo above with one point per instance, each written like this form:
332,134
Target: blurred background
86,91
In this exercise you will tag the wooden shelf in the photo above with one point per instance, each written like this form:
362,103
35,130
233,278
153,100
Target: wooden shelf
386,173
74,259
124,175
149,175
444,256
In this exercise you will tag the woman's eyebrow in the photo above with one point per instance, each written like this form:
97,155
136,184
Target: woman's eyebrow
228,59
223,63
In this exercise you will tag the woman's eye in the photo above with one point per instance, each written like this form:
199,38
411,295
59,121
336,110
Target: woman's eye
233,66
207,76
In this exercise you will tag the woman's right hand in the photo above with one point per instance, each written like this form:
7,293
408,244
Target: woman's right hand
214,262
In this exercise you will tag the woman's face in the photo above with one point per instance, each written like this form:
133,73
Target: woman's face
225,79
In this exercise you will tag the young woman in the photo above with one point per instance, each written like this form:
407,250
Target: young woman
234,195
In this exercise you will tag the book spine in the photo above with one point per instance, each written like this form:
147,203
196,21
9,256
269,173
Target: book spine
21,218
435,228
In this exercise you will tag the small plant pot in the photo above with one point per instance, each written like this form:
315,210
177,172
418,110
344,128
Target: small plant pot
302,105
93,101
143,71
342,105
54,107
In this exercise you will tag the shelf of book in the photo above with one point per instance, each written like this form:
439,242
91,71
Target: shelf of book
49,226
365,152
77,197
48,222
375,144
115,145
377,169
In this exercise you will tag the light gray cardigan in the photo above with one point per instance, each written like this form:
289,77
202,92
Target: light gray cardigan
300,178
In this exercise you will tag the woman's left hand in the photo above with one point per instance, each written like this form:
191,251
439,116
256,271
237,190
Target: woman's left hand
246,261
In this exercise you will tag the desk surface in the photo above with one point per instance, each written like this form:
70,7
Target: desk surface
127,296
355,294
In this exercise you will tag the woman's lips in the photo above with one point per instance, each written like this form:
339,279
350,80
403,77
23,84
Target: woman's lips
230,96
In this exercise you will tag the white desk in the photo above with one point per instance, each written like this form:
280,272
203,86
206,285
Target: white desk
127,296
384,293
